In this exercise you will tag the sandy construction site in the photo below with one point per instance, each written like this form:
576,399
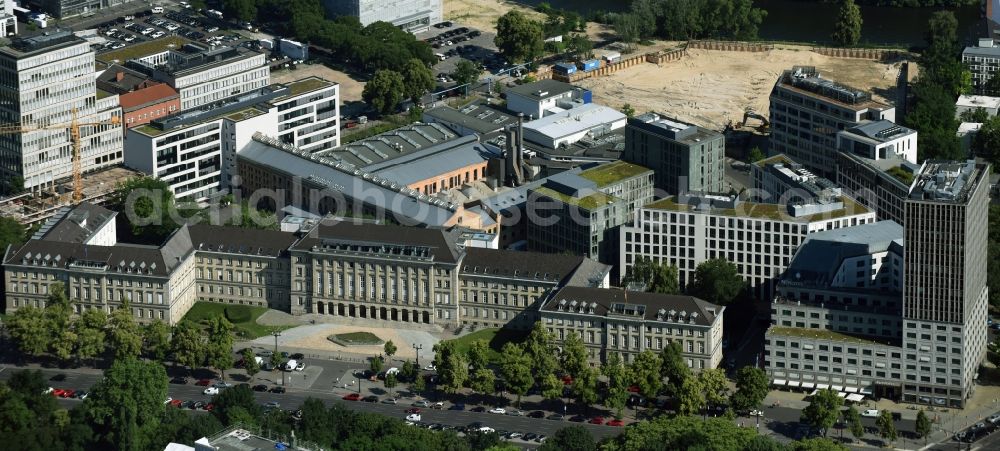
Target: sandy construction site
709,87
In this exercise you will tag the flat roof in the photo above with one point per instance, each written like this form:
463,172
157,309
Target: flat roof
477,117
370,153
575,120
143,49
819,257
589,202
417,166
880,131
822,334
808,81
761,210
982,51
613,172
43,41
978,101
541,89
302,86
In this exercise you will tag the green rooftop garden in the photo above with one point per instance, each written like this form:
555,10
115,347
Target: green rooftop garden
901,174
590,202
143,49
822,334
306,85
609,173
779,158
764,211
147,129
243,114
103,94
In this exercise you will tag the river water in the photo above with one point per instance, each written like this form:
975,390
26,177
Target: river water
790,20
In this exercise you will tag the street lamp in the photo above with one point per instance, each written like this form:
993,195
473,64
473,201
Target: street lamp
418,348
277,334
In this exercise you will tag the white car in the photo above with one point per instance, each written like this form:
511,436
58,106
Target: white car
499,410
47,391
168,400
147,31
211,391
995,418
157,34
111,32
870,413
414,417
128,38
486,429
756,413
430,367
301,366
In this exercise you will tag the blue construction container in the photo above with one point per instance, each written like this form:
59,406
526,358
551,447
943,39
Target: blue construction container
590,65
565,68
588,96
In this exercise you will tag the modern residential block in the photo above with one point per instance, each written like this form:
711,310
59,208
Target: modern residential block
580,213
685,157
808,110
881,185
879,140
628,323
759,238
780,180
983,61
49,78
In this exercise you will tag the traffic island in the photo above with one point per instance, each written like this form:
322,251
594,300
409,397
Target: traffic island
355,339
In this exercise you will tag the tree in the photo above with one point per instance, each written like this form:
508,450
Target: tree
519,38
817,444
573,358
853,420
579,46
28,328
244,10
575,438
124,334
933,117
250,217
157,340
454,373
63,343
90,330
627,110
716,386
187,345
384,91
653,277
847,29
478,355
886,426
538,348
617,393
250,364
375,364
148,204
751,388
417,80
646,372
978,115
987,141
236,403
991,87
390,382
390,349
220,344
11,232
764,443
922,426
674,368
515,367
128,403
408,371
691,396
418,385
756,154
466,72
483,381
823,410
584,387
717,281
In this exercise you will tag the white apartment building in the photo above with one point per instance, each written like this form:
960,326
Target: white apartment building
879,140
43,79
542,98
8,22
983,61
195,151
413,16
758,238
203,75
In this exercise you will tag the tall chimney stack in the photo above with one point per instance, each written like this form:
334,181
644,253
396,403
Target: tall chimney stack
520,141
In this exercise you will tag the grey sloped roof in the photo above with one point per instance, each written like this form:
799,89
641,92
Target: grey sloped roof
234,240
402,206
646,306
526,265
75,224
439,242
819,257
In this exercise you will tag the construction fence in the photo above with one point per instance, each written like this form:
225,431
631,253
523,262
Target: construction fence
868,54
664,56
731,46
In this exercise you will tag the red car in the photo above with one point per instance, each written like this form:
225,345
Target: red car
176,402
567,379
615,423
58,392
204,382
413,410
352,397
633,388
596,420
209,407
67,393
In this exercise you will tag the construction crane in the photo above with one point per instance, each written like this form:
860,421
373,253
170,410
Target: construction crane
74,131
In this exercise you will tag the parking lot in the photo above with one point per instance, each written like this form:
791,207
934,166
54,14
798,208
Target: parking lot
455,42
144,26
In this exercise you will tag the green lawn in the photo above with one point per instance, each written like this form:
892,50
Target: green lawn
243,317
359,338
496,338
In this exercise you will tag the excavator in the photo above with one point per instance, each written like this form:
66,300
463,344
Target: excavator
765,125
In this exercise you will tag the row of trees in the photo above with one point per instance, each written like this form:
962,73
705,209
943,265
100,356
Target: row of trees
942,79
388,87
537,364
689,19
826,408
716,280
54,331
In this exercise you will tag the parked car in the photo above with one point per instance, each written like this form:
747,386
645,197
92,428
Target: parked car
260,387
181,380
277,389
301,366
537,414
478,409
422,403
457,407
370,398
68,393
272,405
204,382
555,417
415,417
596,420
413,410
352,397
211,391
438,405
498,410
221,384
870,413
298,356
515,413
176,403
615,422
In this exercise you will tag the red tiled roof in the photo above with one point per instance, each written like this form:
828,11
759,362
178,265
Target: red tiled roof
145,96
